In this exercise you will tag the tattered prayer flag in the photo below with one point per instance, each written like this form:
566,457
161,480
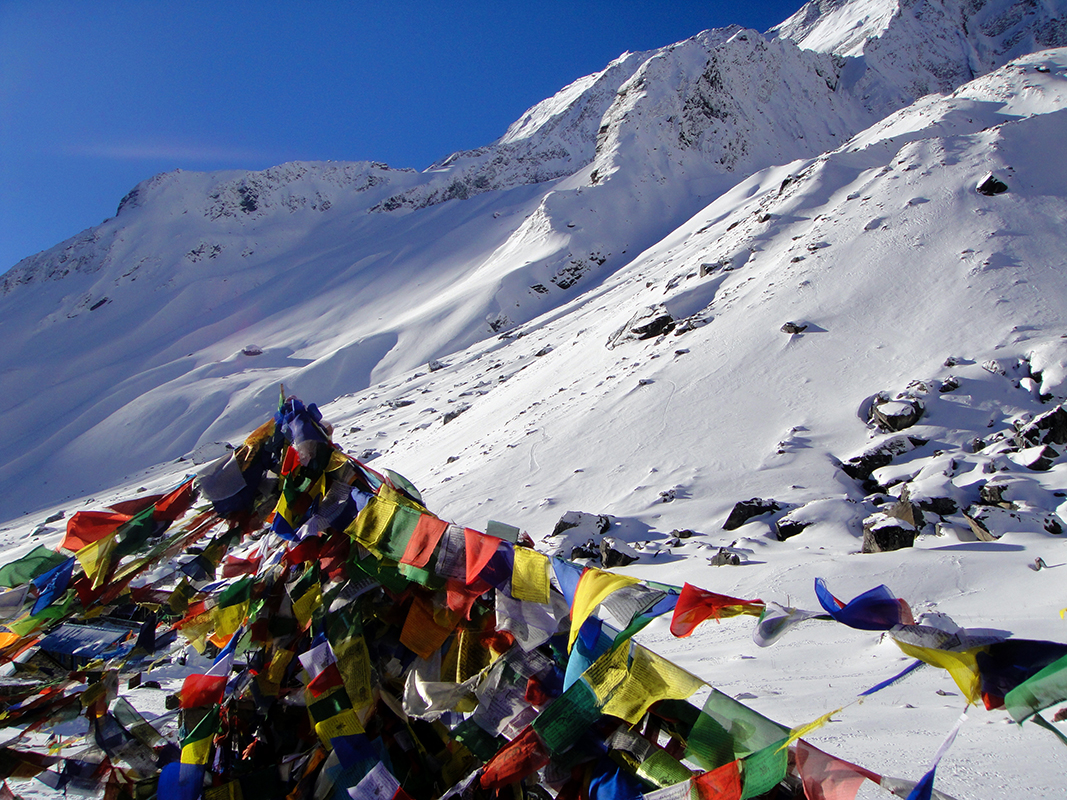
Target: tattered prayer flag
828,778
961,665
593,587
722,783
523,756
696,605
480,550
814,725
608,673
95,559
776,620
529,580
86,527
12,601
36,562
452,555
332,716
651,678
680,791
726,729
1047,687
398,534
423,541
874,610
232,610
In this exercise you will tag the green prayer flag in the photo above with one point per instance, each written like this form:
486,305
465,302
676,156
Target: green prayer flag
36,562
765,769
568,717
1039,691
661,769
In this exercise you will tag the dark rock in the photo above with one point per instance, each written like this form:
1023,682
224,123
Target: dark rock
54,517
787,528
455,412
587,550
896,415
906,511
792,327
949,384
614,553
942,506
664,323
683,534
883,533
399,403
724,558
881,455
747,509
572,519
1048,428
436,365
172,702
991,185
150,685
1039,459
992,494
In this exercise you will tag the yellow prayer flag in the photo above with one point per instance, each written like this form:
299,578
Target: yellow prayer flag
529,578
606,673
372,522
651,678
227,620
804,730
962,666
95,558
593,587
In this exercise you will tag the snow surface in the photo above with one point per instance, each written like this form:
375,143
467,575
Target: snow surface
128,360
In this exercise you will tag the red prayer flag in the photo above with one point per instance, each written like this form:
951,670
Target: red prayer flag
423,541
202,690
480,550
86,527
329,678
723,783
522,756
696,605
829,778
135,506
173,505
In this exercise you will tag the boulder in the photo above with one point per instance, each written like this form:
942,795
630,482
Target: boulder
991,185
587,550
906,511
1039,459
724,558
1048,428
616,553
883,533
793,327
747,509
787,527
860,467
896,415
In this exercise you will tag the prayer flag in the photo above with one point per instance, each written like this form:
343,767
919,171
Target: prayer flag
86,527
828,778
1039,691
696,605
874,610
423,541
36,562
593,587
722,783
51,585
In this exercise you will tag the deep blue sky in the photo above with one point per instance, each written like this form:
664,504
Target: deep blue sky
97,96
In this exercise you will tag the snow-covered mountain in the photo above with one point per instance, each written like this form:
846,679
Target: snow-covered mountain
822,266
131,338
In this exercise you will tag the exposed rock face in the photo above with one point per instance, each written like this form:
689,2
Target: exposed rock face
793,327
616,553
991,185
594,523
747,509
787,528
883,533
1049,428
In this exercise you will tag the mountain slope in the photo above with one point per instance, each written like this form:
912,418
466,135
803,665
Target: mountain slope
338,276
